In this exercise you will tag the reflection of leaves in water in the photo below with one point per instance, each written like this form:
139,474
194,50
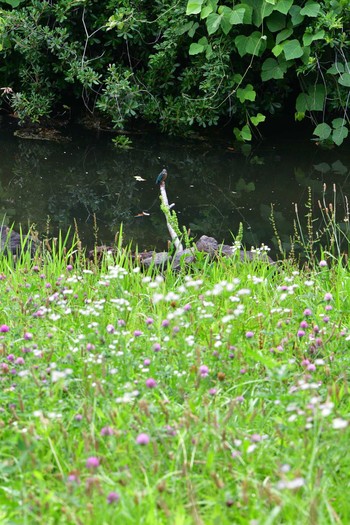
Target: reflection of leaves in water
247,187
213,188
323,167
336,167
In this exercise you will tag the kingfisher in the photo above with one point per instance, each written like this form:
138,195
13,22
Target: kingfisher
162,176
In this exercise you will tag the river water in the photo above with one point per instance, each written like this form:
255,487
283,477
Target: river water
214,187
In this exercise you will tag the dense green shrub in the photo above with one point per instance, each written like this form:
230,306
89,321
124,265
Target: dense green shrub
180,64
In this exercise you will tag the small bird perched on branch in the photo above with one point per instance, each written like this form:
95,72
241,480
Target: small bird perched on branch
162,176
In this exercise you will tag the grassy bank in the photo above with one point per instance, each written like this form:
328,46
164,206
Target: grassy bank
216,396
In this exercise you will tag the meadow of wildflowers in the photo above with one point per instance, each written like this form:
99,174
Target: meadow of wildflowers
217,395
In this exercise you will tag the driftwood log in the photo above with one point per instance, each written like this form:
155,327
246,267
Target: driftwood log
205,244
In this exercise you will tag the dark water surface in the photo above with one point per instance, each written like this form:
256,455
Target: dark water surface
214,187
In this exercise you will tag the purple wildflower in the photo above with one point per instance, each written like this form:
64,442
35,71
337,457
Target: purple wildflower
323,264
113,497
307,312
143,439
137,333
151,383
249,335
203,370
92,462
149,320
107,431
110,329
328,296
4,328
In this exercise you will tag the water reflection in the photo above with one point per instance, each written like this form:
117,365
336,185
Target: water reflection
214,187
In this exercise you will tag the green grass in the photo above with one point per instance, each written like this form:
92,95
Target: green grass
248,418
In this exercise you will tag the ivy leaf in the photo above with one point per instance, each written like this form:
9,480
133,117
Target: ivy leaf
313,100
251,45
246,93
323,131
295,13
336,68
308,38
339,135
246,133
276,22
292,49
261,10
257,119
283,6
248,12
213,23
237,15
196,48
344,79
311,8
283,35
13,3
277,50
272,69
206,11
194,7
338,122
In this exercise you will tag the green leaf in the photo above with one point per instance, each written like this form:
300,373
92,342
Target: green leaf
311,8
313,100
344,79
246,133
257,119
237,15
308,38
292,49
250,45
206,11
336,68
260,10
195,49
283,6
193,30
339,135
277,50
213,23
246,93
194,7
283,35
323,131
276,22
297,18
338,122
272,69
299,116
248,12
